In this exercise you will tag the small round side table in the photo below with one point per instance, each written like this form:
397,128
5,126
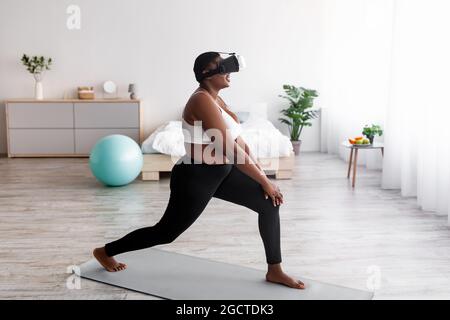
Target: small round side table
354,155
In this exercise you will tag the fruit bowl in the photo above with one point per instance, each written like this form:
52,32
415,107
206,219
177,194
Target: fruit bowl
361,145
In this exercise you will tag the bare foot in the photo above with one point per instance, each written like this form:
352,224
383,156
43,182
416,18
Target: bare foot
109,263
278,276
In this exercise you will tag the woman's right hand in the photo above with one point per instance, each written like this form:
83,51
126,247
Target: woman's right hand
271,190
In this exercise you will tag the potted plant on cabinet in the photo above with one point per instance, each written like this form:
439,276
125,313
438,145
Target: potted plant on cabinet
36,65
299,113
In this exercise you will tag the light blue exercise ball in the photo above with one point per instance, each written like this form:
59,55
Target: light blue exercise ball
116,160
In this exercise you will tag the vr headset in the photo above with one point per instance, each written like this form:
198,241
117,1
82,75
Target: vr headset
233,63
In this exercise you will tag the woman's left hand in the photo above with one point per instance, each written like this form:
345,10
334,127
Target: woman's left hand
279,199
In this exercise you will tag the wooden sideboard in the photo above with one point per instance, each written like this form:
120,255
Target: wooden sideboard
68,128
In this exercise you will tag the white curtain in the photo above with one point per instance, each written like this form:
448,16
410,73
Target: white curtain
388,62
417,135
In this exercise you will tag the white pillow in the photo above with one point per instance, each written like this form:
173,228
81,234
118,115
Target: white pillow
147,145
167,139
170,140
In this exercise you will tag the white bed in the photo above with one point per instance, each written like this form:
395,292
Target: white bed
273,149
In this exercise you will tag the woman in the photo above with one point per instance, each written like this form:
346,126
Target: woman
218,164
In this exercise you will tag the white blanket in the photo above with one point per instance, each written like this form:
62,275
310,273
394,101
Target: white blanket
263,139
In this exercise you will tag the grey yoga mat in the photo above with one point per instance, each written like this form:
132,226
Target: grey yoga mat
181,277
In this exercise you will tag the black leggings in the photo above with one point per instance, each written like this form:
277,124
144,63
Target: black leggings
192,186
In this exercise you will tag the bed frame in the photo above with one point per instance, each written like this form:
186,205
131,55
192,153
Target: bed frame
154,163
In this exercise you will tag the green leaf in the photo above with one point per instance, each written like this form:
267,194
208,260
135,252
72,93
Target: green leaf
300,100
36,64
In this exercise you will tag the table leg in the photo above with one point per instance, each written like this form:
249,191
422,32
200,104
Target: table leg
382,151
350,163
355,163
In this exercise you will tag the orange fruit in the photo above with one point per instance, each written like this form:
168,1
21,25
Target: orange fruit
358,138
351,141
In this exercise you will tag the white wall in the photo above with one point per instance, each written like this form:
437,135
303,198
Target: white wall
154,44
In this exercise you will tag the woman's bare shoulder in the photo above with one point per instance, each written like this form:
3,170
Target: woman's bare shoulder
197,100
198,104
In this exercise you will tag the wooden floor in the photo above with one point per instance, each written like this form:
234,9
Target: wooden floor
53,213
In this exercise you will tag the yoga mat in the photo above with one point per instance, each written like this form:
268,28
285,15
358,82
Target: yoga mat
182,277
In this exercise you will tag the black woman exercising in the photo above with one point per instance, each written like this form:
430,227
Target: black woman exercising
218,163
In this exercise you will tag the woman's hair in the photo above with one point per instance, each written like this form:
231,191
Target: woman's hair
202,61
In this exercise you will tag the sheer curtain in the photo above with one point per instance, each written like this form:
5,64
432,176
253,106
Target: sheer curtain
388,62
417,138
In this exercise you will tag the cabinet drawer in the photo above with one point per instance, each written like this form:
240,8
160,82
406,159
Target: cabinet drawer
106,115
41,141
86,138
40,115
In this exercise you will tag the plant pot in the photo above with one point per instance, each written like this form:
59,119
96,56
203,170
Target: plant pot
296,145
38,91
371,139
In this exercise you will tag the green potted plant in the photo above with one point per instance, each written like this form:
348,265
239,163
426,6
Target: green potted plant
36,65
299,113
370,132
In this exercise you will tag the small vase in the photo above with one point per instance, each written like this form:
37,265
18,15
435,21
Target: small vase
371,139
296,145
38,90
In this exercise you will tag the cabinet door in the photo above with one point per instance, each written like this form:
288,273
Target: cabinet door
40,115
41,141
86,138
106,115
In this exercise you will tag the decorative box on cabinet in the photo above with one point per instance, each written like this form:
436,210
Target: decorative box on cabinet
68,128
